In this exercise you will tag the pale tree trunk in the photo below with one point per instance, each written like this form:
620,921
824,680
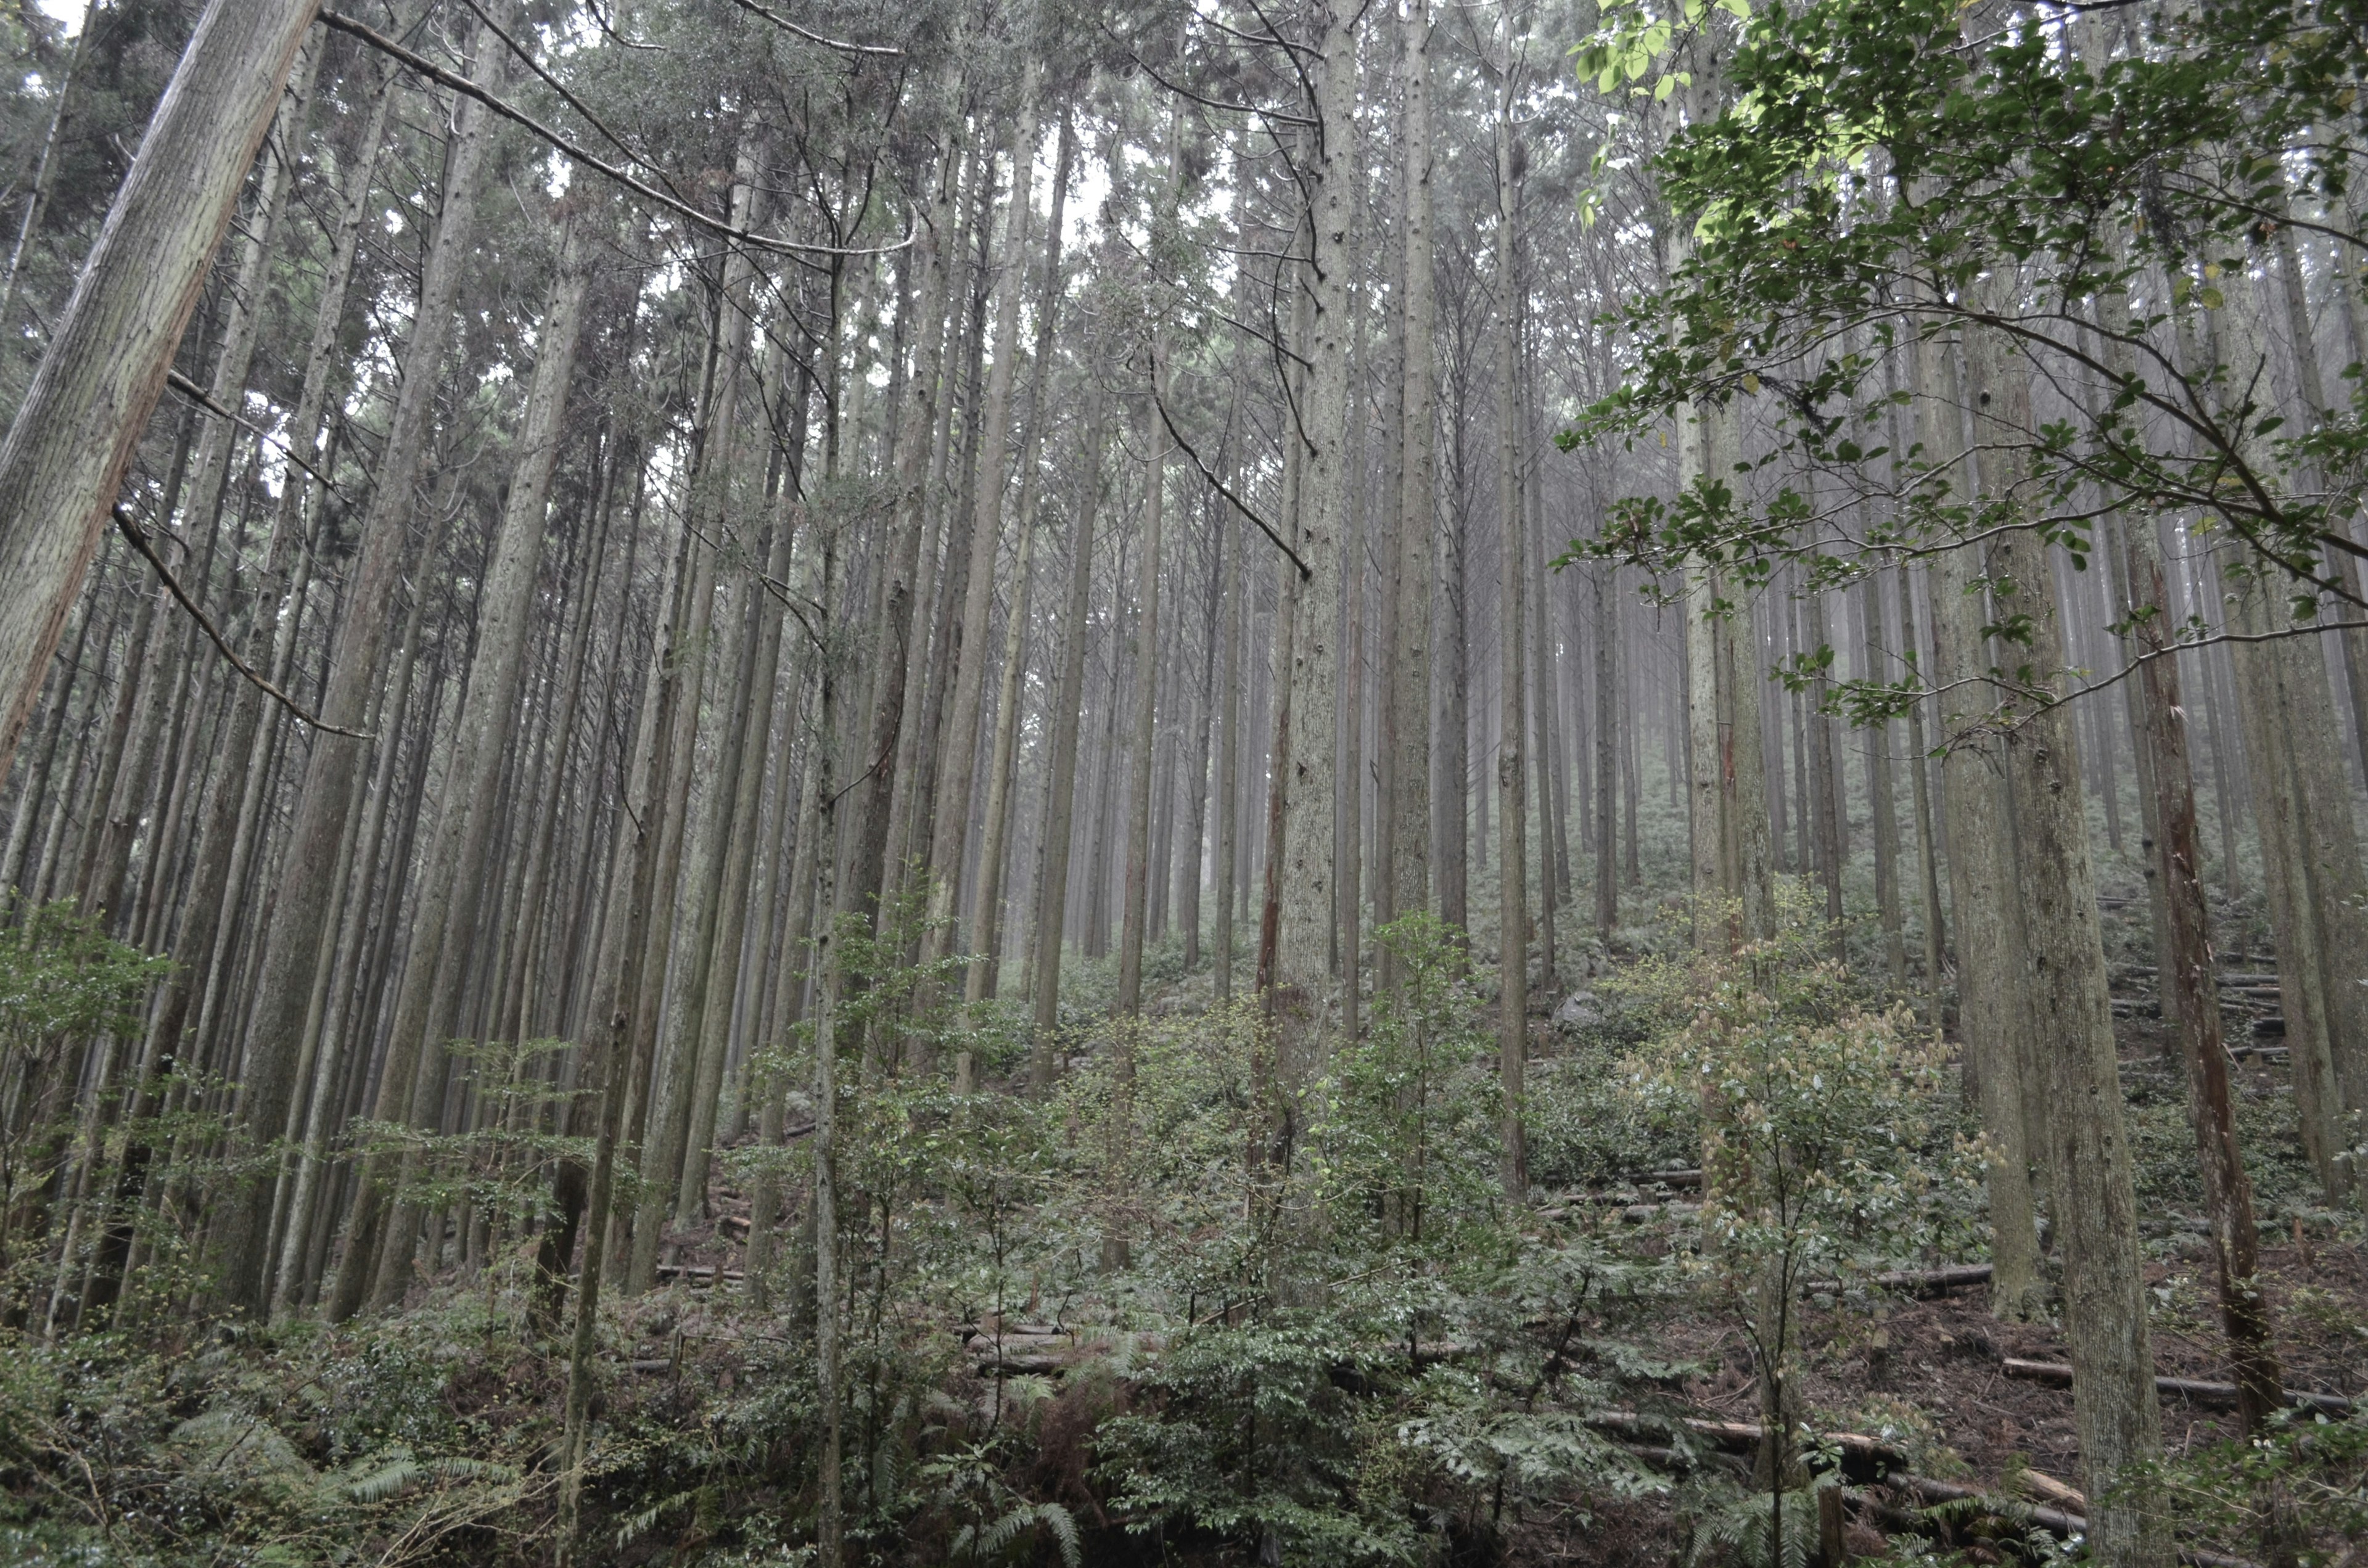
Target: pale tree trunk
1232,544
1060,801
1742,773
1553,849
1927,856
696,860
941,591
2194,977
1991,1007
1405,695
1133,912
1308,873
2114,1409
292,945
1512,815
632,902
1600,587
762,664
900,660
1191,869
1232,548
1882,792
457,866
1349,757
1825,776
362,1229
82,418
951,836
830,979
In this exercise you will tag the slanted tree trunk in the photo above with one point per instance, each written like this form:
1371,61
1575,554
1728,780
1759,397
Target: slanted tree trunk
83,416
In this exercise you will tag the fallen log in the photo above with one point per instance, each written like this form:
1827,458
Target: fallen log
2220,1396
1691,1177
2059,1522
1914,1281
1873,1457
2055,1521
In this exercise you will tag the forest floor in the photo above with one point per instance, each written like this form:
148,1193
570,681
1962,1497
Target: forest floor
425,1436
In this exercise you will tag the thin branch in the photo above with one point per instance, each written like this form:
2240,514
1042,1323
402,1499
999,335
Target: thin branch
140,541
198,394
561,143
788,26
1182,91
1219,485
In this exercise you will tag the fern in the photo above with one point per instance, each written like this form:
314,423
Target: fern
635,1526
1738,1532
392,1479
1052,1516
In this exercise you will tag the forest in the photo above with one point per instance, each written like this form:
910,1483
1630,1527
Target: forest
1111,782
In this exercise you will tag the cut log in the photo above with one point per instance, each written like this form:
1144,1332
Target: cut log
2056,1374
2045,1488
1682,1177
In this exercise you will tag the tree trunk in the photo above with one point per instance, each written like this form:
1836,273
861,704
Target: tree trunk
1405,741
1512,816
986,916
2095,1207
1309,877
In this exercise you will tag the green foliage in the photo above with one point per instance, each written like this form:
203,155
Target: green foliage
1878,174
